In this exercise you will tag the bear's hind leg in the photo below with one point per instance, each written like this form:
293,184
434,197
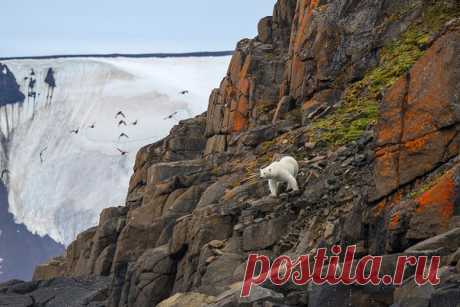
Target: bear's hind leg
291,181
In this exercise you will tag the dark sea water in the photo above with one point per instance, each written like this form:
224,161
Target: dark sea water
21,250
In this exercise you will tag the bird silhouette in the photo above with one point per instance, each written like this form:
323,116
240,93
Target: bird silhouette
123,135
120,113
92,126
41,155
122,152
134,123
121,122
170,116
184,92
75,131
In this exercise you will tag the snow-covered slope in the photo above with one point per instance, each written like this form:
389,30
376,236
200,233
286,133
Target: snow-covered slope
59,180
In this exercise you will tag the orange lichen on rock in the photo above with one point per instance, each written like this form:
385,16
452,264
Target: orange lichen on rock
395,220
440,197
415,145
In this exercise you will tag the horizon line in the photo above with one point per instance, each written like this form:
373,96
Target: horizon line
125,55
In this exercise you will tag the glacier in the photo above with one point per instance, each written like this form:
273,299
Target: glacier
61,152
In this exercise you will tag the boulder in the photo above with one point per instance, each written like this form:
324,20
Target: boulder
263,235
192,299
163,171
265,29
449,240
150,280
60,291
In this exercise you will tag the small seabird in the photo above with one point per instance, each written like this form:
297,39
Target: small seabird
184,92
120,113
170,116
121,122
75,131
92,126
122,152
134,123
123,135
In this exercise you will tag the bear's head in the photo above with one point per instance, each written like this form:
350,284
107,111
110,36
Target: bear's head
267,173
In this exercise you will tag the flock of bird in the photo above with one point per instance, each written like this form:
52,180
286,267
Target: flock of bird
122,121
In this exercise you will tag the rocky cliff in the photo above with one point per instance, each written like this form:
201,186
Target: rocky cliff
365,95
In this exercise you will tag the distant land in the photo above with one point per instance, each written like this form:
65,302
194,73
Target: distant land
116,55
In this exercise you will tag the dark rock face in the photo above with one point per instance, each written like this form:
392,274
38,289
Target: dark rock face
9,88
196,207
56,292
416,134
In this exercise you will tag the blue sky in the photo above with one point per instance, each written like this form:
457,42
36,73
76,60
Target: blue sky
30,27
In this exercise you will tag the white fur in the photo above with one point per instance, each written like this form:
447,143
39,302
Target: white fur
281,171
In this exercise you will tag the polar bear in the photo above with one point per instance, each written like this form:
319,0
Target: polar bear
284,170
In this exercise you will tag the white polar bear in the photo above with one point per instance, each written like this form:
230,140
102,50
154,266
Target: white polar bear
284,170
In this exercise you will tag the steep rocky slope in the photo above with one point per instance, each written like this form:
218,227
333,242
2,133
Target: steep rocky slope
365,95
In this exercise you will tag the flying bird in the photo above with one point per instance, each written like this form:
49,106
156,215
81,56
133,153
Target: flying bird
75,131
120,113
134,123
123,135
121,122
170,116
92,126
122,152
184,92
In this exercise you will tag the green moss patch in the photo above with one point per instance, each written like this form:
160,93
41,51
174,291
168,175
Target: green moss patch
359,108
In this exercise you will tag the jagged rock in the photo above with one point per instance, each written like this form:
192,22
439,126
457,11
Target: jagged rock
265,234
219,273
257,135
216,244
52,269
265,29
413,295
216,144
56,292
447,293
350,295
259,297
454,258
186,202
212,194
192,299
164,171
449,240
149,280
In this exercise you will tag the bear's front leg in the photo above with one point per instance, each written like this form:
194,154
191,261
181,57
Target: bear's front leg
273,186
